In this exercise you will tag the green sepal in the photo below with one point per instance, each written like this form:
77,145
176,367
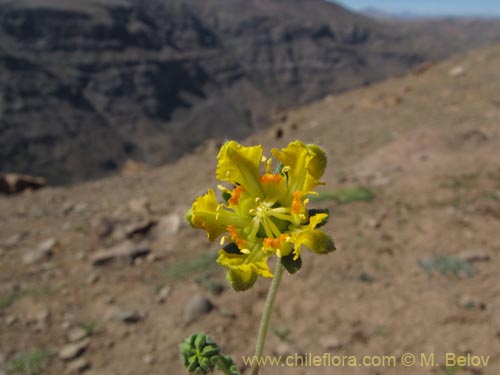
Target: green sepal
232,248
200,341
227,365
206,365
209,352
291,265
279,168
226,196
192,365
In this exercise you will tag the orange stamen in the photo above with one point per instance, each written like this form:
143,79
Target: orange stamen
297,205
274,243
269,178
235,195
235,236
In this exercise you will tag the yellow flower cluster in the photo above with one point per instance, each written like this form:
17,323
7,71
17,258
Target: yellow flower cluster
263,213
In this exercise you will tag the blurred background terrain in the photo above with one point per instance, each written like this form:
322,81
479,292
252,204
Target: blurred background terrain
122,105
88,85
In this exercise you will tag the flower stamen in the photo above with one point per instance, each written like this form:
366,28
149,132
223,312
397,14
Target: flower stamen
235,195
270,178
235,236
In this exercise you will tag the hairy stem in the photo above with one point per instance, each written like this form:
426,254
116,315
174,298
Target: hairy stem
266,314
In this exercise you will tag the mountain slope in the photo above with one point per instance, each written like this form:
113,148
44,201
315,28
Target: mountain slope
88,85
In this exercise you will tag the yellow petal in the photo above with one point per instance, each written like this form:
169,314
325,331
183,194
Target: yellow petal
316,166
316,240
203,215
317,219
240,165
306,164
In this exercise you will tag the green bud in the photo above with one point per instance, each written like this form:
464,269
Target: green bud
199,353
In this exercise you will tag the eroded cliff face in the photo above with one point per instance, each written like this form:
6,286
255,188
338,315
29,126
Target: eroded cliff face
86,85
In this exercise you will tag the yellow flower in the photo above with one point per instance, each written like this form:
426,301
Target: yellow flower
263,213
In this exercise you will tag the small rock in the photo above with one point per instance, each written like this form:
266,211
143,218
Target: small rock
104,226
10,320
163,294
67,208
151,258
73,350
42,253
81,255
13,240
126,250
131,167
68,316
47,245
129,316
456,71
168,226
331,343
476,255
65,325
42,316
139,205
468,302
148,359
370,222
139,228
109,300
80,208
33,257
196,307
12,183
77,366
76,334
93,278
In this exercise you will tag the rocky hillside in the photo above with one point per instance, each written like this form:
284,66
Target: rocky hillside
105,277
86,85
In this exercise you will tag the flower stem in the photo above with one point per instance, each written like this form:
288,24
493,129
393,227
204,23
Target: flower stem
266,314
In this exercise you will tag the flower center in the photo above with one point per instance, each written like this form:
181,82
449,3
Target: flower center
263,214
